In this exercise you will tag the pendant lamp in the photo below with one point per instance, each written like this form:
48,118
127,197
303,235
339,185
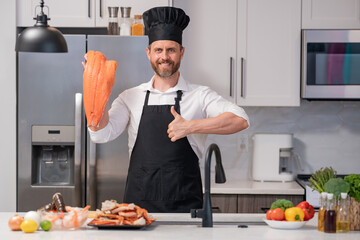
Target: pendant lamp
41,37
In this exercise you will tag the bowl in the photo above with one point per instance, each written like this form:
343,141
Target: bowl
285,224
74,218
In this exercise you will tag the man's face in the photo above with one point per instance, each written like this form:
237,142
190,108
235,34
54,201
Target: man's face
165,57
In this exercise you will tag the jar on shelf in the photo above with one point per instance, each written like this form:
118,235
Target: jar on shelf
113,26
138,26
125,21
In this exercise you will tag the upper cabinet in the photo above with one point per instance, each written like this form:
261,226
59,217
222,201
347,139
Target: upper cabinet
246,50
79,13
210,44
268,58
330,14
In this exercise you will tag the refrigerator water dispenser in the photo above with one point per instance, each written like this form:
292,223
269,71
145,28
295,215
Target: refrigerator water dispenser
52,155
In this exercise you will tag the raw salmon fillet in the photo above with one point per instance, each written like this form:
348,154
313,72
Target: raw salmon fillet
98,80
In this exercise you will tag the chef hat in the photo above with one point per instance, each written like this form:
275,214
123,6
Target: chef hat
165,23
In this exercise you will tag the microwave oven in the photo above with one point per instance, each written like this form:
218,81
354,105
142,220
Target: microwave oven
330,64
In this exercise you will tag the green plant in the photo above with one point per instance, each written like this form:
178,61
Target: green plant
354,182
320,177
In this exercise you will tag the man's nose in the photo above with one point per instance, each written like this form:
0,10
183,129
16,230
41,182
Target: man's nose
165,55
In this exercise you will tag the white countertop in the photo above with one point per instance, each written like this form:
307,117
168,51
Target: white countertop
233,186
160,231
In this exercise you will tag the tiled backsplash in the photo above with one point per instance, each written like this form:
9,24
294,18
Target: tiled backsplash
326,133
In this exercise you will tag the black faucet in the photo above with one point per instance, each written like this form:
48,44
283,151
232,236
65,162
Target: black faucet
206,212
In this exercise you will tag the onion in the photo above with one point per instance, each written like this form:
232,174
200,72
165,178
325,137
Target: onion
15,222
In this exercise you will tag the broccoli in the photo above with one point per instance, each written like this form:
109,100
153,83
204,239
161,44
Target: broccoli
337,186
282,203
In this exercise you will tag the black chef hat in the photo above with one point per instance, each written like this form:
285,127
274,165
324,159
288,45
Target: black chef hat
165,23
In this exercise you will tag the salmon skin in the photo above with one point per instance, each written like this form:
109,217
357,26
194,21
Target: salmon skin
98,80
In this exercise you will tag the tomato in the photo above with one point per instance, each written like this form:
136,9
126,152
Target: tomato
277,214
268,214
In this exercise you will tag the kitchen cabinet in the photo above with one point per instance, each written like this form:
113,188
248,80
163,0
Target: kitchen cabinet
269,53
248,203
210,44
79,13
247,51
330,14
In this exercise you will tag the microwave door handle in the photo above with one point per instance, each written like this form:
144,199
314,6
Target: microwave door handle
91,176
77,150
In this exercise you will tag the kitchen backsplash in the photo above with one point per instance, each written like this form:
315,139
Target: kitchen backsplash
326,133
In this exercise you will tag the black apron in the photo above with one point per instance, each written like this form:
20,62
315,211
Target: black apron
163,176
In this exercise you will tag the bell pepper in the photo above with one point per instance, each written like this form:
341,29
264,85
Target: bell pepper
294,214
307,209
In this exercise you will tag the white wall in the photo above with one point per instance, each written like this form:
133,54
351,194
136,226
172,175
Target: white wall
8,106
326,133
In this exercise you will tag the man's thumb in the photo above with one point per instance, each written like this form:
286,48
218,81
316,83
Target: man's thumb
173,112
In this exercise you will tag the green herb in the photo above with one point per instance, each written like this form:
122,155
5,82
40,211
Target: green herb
320,177
337,186
354,181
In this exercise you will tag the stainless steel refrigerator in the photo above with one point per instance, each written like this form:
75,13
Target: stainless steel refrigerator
54,151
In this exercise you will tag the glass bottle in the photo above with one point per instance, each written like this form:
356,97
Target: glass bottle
126,22
321,213
343,215
330,214
113,26
138,26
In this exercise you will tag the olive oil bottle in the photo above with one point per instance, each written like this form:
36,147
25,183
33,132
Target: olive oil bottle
321,213
343,216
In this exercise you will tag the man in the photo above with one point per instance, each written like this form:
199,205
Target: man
167,119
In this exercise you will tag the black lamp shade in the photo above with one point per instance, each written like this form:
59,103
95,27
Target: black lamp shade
41,39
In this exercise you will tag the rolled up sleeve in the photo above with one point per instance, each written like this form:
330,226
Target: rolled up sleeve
214,105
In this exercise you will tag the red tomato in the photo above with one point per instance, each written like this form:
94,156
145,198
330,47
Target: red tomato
268,214
277,214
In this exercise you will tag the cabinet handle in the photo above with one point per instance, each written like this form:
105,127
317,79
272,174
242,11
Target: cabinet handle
231,76
89,12
100,8
242,93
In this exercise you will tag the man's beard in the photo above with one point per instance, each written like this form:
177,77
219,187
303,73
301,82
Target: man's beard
167,72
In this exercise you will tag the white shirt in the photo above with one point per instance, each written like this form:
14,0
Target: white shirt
198,102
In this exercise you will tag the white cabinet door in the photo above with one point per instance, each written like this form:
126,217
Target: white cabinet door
137,8
330,14
269,48
64,13
210,44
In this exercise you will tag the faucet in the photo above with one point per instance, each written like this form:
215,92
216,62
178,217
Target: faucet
206,212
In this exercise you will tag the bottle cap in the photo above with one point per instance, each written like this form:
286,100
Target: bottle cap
125,12
343,195
324,194
137,16
330,196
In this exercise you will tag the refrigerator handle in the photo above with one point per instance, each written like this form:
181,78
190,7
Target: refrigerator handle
77,150
91,175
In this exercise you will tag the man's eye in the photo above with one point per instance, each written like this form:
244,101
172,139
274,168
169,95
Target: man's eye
171,50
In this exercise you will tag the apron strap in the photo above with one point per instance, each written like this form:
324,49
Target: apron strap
147,98
177,101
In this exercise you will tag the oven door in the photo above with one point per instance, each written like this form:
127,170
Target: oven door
331,64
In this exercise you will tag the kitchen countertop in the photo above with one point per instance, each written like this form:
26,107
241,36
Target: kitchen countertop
174,230
233,186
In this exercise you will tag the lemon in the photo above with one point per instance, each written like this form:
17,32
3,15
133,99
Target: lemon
45,225
29,226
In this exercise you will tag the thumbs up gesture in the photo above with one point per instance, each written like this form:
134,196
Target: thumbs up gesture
179,127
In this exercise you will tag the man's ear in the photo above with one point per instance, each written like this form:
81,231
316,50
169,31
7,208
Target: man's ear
182,52
148,52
